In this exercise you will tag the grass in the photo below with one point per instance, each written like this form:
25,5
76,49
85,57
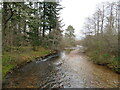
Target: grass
19,55
106,59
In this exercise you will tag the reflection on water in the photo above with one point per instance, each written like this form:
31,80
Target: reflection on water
70,69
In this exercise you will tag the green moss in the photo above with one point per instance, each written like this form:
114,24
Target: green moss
7,68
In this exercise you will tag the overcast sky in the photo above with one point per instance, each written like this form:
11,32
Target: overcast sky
76,11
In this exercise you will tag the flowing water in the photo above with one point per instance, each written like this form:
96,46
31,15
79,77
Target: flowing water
70,70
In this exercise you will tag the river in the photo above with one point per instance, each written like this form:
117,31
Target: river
70,70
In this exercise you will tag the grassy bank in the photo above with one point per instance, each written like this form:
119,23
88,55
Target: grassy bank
105,59
20,55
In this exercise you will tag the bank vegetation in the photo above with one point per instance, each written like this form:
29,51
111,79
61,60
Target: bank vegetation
102,35
29,30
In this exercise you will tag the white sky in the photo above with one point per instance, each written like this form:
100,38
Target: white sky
76,11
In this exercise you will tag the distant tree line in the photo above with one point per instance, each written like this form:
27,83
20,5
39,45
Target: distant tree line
31,24
102,34
68,39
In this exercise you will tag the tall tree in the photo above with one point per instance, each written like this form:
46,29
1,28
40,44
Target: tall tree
70,35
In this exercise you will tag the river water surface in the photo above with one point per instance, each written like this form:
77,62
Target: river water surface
70,70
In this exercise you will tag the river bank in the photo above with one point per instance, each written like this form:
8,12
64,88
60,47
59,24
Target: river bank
104,59
21,56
